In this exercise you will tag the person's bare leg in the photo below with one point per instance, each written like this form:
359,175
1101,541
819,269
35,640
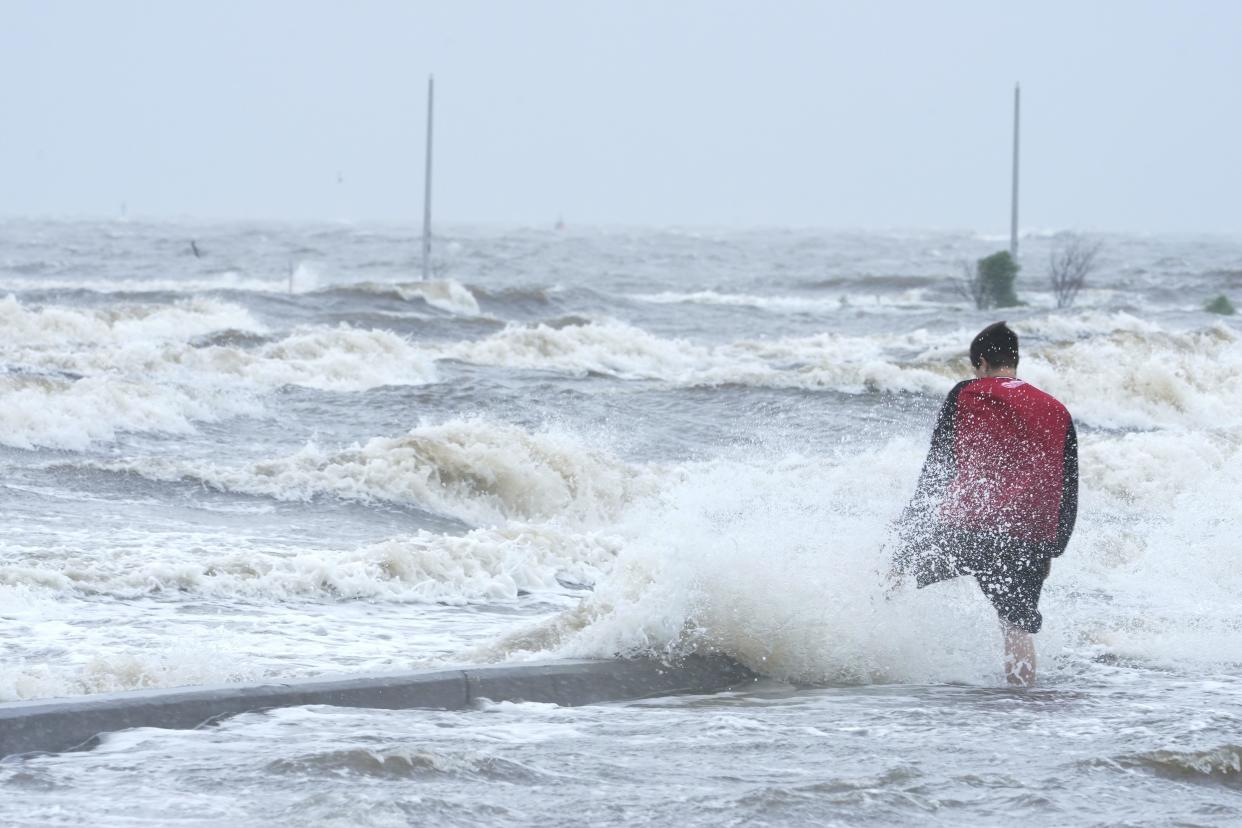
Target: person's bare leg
1019,656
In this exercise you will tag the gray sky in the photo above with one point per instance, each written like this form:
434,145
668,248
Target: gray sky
862,114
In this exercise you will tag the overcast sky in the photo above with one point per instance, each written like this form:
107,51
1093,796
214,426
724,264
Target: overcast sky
862,114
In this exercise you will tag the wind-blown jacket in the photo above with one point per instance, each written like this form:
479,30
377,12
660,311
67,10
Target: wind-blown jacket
1004,457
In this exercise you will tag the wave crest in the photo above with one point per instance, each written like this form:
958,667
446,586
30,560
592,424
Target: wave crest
71,397
444,294
481,472
484,565
44,327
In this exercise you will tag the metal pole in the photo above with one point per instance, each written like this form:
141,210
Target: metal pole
1013,215
431,91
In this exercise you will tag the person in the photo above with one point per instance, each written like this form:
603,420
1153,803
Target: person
998,494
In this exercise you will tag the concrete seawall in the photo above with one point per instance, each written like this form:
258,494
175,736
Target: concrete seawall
49,725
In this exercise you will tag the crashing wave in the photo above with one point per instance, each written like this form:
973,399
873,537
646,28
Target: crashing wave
482,472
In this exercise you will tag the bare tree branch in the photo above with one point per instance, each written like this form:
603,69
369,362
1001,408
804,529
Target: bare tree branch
1070,262
970,285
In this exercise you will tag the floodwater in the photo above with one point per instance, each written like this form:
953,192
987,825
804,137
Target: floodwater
291,456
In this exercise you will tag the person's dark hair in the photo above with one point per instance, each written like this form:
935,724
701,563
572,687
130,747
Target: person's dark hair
997,344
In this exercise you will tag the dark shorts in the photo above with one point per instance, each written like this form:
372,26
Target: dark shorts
1010,571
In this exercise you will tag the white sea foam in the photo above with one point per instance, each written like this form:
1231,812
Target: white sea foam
777,563
33,608
75,377
1112,370
137,342
1161,544
304,278
110,673
153,339
854,300
482,472
1146,379
484,565
74,414
617,349
606,348
331,359
59,327
334,359
779,566
445,294
1149,470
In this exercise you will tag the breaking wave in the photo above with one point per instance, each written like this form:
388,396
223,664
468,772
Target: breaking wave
826,361
1113,370
484,565
330,359
59,327
1135,378
776,562
1221,765
75,413
444,294
477,471
853,300
70,378
607,348
781,566
102,671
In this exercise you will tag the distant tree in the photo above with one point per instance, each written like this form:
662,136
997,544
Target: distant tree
998,272
1071,261
1221,305
970,286
989,283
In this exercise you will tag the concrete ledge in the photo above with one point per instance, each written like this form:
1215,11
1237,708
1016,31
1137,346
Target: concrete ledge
49,725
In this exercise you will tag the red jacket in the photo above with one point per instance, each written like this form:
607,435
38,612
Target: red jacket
1004,456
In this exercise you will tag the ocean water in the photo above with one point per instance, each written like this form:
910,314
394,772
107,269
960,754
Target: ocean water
291,456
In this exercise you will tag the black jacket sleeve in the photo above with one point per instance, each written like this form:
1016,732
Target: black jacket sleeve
917,523
940,465
1069,491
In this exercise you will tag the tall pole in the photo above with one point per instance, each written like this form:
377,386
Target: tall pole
431,93
1013,213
